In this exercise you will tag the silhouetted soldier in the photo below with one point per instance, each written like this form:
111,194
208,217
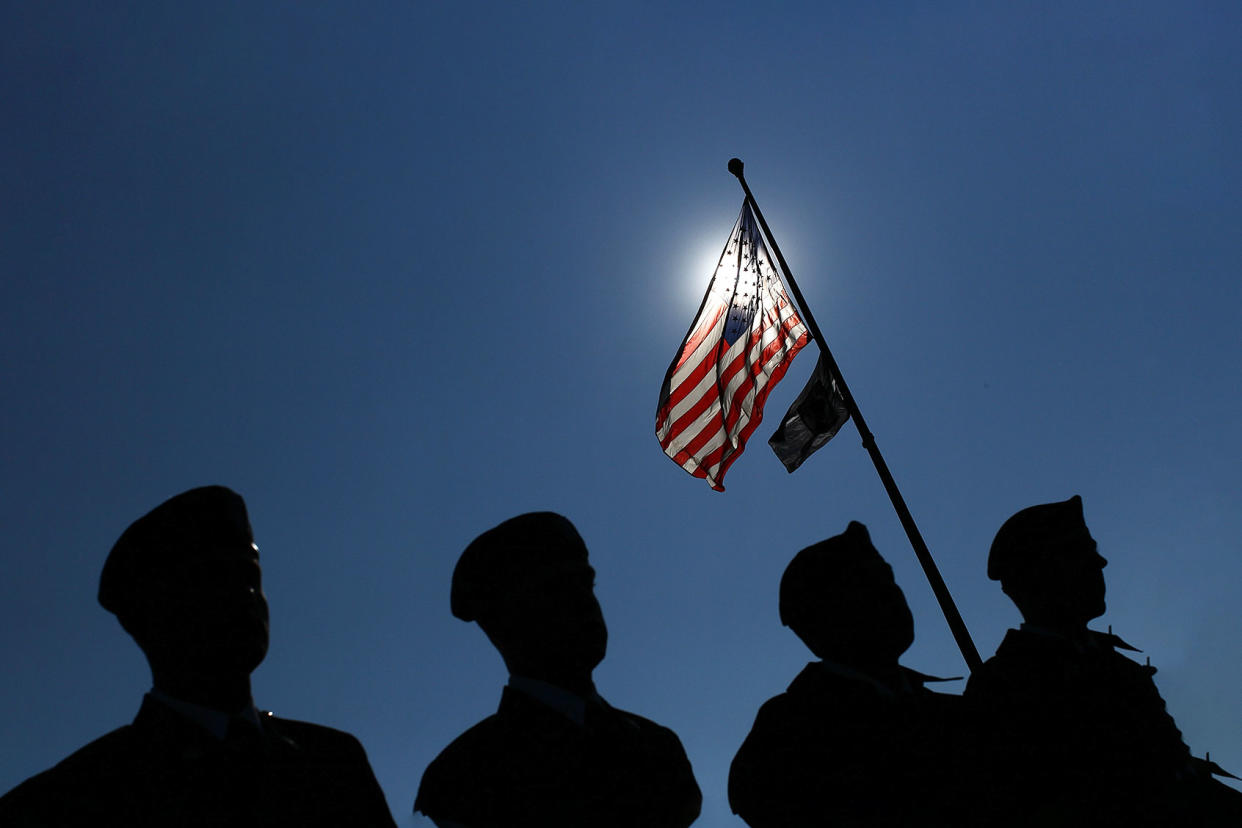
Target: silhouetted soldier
856,739
184,581
1077,733
555,753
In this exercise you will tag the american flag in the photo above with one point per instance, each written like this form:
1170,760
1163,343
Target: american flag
740,345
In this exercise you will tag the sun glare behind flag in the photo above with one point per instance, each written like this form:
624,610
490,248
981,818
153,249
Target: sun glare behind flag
739,346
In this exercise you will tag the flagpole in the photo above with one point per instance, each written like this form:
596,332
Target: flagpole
947,606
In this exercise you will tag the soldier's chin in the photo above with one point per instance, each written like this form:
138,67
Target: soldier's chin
595,644
244,656
244,646
592,657
581,655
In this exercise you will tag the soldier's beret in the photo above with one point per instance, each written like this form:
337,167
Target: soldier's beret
156,543
505,555
1033,533
823,565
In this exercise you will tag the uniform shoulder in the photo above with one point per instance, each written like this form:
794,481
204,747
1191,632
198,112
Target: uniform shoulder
660,744
643,723
323,746
310,734
335,762
73,778
780,709
814,691
1021,658
481,736
662,770
462,759
97,756
451,785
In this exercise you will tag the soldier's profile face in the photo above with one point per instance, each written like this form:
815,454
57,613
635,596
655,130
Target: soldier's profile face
558,616
1082,570
1064,583
882,605
208,609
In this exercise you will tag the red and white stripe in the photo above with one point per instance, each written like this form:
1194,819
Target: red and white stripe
716,392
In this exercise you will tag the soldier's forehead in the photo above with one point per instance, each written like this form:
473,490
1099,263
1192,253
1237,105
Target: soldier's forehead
1075,546
558,570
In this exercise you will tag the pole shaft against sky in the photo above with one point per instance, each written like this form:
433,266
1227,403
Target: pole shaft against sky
947,605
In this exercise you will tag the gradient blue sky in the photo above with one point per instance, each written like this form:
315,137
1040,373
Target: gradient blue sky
398,271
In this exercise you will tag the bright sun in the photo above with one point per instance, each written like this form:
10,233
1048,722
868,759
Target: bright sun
699,266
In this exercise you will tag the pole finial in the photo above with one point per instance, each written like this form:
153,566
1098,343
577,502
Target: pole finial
735,166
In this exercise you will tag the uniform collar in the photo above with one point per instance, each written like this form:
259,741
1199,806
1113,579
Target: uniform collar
215,722
1089,640
570,705
908,681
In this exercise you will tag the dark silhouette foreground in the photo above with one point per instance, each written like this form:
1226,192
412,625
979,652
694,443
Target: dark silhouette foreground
1072,732
185,582
555,753
856,740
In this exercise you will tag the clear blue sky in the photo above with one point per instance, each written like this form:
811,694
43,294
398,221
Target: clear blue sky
398,271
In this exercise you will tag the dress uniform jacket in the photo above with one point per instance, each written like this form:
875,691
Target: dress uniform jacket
531,765
839,748
1077,733
166,770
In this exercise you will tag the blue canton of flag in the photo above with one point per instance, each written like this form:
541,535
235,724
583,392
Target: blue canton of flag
745,292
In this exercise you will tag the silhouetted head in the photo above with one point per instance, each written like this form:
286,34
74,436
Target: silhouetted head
529,585
184,580
840,598
1046,561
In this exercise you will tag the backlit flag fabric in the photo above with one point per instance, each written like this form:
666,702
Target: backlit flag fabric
740,345
813,419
